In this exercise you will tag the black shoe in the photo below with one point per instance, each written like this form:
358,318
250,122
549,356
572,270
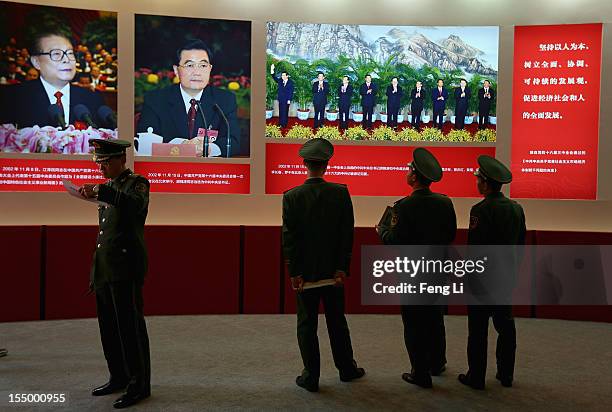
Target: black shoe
108,388
465,379
438,371
352,375
424,382
309,386
505,381
130,399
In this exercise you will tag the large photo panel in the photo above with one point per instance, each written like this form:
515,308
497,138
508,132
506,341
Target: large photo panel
370,87
192,103
58,90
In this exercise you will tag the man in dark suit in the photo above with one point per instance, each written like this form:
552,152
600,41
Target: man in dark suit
423,218
394,96
345,95
285,95
118,271
27,104
317,244
416,107
496,220
462,100
439,96
174,110
368,92
486,96
320,90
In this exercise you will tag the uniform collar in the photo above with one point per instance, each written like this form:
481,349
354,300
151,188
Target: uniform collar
311,180
494,195
122,176
421,192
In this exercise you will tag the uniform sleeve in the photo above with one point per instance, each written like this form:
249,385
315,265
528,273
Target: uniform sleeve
478,230
134,200
346,237
392,235
289,237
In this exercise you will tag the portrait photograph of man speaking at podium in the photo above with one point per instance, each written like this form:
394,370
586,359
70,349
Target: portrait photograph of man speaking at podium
51,110
193,88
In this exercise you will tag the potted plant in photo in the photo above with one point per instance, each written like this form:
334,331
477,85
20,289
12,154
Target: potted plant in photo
356,133
329,133
383,115
303,73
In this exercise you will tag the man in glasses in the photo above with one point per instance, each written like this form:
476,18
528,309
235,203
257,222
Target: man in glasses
27,104
174,111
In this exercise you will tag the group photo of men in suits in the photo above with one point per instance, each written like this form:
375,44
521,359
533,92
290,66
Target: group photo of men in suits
185,91
369,97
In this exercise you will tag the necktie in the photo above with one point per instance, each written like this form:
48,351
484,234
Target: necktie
58,95
191,117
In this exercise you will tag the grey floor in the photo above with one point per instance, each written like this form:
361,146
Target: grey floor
250,362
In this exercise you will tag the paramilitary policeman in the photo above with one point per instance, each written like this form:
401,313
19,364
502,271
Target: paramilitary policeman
318,227
118,271
423,218
496,220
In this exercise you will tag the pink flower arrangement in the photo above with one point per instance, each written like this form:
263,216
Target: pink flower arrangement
49,139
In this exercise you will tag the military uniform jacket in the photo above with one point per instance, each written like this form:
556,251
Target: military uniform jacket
497,220
423,218
317,229
121,252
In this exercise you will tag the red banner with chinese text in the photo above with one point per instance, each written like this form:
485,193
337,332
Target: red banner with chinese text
41,175
375,170
179,177
555,111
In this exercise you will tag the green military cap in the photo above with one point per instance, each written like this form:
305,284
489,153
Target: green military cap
490,168
426,164
105,149
317,149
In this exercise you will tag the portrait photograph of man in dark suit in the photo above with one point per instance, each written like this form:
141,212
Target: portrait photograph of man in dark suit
28,104
183,90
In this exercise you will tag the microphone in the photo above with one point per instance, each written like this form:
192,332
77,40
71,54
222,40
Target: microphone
57,114
108,116
82,113
229,140
201,111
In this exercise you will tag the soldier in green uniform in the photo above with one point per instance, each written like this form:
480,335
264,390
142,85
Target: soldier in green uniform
118,271
317,244
423,218
496,220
